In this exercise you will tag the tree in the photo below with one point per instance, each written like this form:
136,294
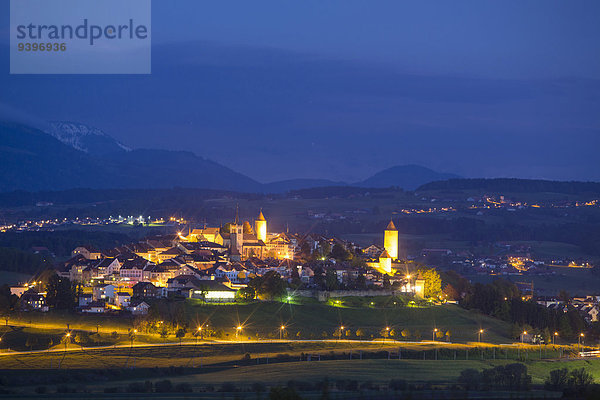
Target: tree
439,334
331,281
557,379
246,294
450,293
448,334
433,283
575,382
386,282
8,301
470,378
339,252
30,342
268,286
405,333
285,393
580,379
325,248
60,293
417,335
360,333
360,282
180,334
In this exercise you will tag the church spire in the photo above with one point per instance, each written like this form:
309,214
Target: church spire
237,212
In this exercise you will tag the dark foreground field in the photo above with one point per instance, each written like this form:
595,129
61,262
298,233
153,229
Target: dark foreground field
239,370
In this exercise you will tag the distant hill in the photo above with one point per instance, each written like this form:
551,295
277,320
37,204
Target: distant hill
514,185
85,138
73,155
408,177
298,184
33,160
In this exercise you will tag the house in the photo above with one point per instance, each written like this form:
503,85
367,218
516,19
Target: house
95,307
214,292
32,300
169,254
108,266
87,251
122,299
146,290
206,235
104,292
18,290
590,313
139,307
85,299
133,269
373,251
236,273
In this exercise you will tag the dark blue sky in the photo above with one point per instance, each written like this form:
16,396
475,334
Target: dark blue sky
341,89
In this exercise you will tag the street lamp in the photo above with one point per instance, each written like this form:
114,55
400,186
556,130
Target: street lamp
480,332
553,337
341,330
387,331
433,334
522,335
281,329
238,329
579,340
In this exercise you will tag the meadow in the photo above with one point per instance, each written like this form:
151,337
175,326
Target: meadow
302,318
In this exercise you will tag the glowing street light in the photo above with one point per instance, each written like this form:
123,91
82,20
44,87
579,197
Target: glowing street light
281,329
579,340
553,337
433,334
522,335
341,330
480,332
238,330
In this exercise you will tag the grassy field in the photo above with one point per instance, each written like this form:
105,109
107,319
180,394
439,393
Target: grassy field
308,320
220,365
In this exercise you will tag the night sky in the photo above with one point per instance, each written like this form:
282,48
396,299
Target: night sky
341,89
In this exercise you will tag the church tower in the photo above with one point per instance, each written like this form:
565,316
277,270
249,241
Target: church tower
260,227
390,240
237,234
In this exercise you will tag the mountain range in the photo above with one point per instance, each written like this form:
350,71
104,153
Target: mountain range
69,155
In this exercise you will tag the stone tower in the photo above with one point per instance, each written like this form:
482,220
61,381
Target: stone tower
390,240
260,227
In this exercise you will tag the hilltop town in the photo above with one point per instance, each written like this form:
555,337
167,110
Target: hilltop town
214,263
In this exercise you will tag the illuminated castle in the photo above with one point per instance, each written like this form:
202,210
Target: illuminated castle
389,256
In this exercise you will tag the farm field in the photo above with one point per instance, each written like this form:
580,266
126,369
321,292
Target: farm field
227,368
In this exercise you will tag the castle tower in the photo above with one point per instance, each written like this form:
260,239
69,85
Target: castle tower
260,227
385,262
237,234
390,240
